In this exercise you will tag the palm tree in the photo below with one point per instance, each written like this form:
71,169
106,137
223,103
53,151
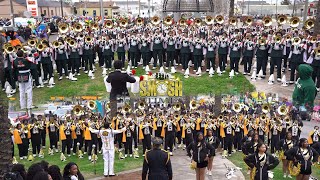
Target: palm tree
231,8
316,29
5,135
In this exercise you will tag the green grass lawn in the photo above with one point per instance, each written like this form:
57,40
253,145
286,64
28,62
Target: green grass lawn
191,86
86,167
237,159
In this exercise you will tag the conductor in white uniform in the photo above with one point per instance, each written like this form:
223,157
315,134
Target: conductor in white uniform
107,138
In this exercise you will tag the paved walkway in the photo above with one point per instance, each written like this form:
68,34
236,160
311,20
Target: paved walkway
181,170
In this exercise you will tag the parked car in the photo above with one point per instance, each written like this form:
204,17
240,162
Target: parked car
18,116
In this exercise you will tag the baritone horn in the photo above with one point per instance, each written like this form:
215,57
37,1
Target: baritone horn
209,20
294,22
309,24
220,19
267,21
282,19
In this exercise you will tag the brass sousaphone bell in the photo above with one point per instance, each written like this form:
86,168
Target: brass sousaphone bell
92,105
8,48
77,110
282,19
233,21
209,20
282,110
168,21
294,22
177,107
267,21
182,22
155,20
265,108
77,27
139,21
236,107
309,24
141,105
193,105
63,28
197,21
219,19
108,24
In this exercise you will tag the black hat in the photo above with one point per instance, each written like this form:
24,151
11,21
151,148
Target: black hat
157,141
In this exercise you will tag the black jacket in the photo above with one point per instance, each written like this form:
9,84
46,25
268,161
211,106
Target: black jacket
157,165
252,160
316,146
206,150
118,82
296,154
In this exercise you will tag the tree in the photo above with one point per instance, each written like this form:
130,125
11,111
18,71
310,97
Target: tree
316,28
5,135
231,8
285,2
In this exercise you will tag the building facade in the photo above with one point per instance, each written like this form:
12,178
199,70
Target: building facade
92,9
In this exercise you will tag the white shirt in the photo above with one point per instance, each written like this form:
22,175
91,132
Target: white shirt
107,137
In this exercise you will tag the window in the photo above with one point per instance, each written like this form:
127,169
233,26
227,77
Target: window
106,12
45,12
51,12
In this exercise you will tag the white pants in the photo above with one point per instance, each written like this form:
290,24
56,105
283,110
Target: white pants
26,88
108,157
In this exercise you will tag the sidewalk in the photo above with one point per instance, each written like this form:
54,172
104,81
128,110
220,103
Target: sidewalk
181,170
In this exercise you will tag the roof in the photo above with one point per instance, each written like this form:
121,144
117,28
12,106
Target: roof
95,5
44,3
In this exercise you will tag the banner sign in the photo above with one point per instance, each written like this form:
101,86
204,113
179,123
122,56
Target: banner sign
32,6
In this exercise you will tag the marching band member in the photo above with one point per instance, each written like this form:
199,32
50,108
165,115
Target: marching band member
235,54
261,162
65,136
228,137
185,51
9,70
88,53
74,58
127,138
211,54
145,134
197,53
43,131
20,135
145,50
248,50
296,57
133,49
187,132
79,136
61,59
157,47
276,54
315,64
168,132
238,134
262,56
107,52
305,156
35,136
223,47
284,145
275,129
170,49
53,127
121,44
46,61
295,128
314,136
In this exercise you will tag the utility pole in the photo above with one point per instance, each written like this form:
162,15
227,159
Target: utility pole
149,8
12,13
139,7
305,14
61,8
101,12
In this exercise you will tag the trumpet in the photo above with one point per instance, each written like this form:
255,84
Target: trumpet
197,22
267,21
233,21
294,22
282,19
220,19
309,24
168,20
92,105
155,20
209,20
